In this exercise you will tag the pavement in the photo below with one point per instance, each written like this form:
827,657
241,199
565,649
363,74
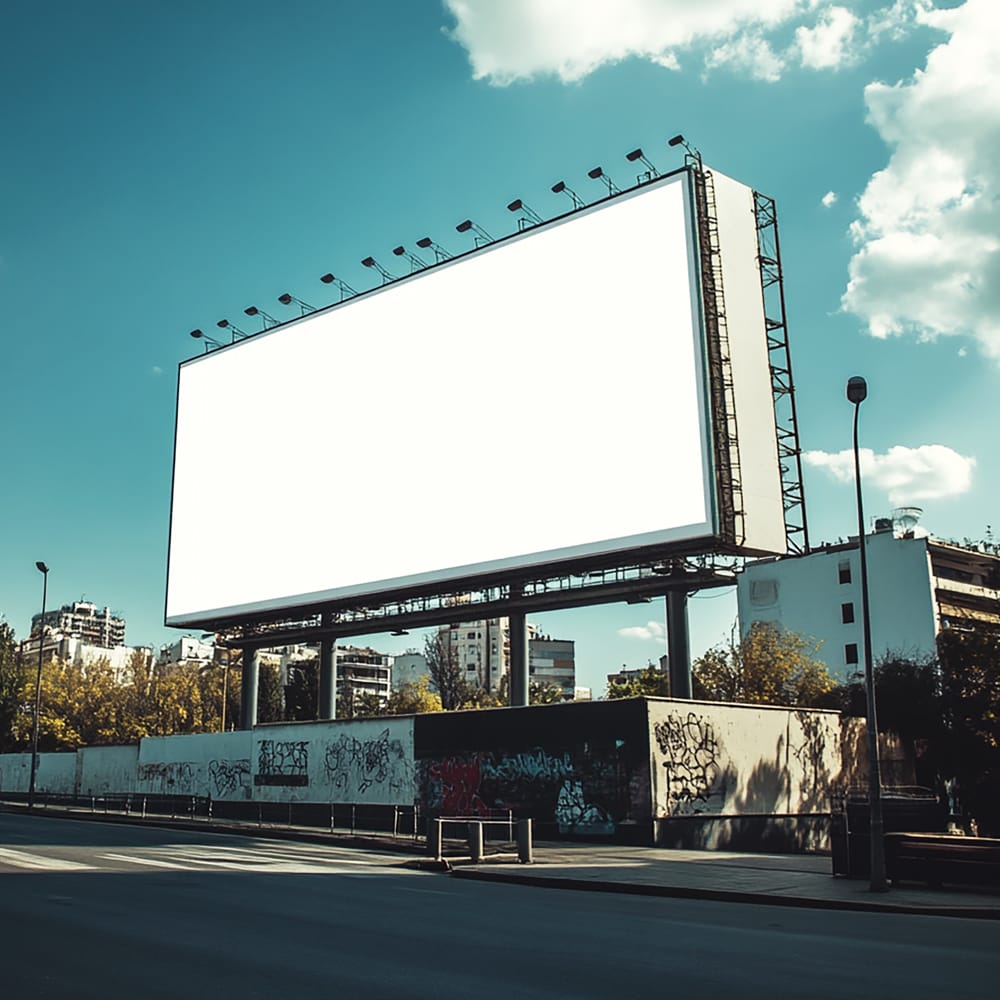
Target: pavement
801,880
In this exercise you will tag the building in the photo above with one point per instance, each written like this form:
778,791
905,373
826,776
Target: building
553,661
363,670
408,668
918,585
71,649
185,651
82,620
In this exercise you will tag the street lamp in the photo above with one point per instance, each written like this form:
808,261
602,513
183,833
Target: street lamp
44,570
857,392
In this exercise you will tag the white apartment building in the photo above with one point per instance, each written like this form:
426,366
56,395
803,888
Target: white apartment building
917,586
83,620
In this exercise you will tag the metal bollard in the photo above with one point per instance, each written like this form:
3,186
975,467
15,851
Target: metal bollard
476,842
525,848
434,837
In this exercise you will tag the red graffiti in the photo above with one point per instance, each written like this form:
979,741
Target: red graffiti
458,778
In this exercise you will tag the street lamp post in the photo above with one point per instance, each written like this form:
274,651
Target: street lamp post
44,570
857,392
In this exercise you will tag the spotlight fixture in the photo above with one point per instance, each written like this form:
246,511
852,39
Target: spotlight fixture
373,263
286,299
344,288
400,631
209,341
560,186
237,333
440,254
651,171
416,264
530,216
692,153
266,318
598,174
479,234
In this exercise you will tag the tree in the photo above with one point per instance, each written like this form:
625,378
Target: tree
768,666
13,673
414,698
302,691
651,683
269,700
446,671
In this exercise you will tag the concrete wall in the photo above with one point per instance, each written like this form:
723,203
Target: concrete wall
105,770
722,773
56,773
216,765
365,761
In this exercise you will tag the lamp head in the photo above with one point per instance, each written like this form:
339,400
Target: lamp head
285,299
368,262
399,251
515,206
425,243
464,227
677,140
328,279
595,173
41,567
558,187
197,334
857,389
251,310
222,324
636,154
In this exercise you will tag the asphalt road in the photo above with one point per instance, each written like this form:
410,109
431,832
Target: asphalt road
98,910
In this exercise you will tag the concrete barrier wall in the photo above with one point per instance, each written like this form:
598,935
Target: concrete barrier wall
212,765
365,761
770,769
56,773
106,770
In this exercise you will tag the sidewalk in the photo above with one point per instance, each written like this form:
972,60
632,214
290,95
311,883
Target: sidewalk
774,879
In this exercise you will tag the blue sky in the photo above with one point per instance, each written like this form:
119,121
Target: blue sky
167,165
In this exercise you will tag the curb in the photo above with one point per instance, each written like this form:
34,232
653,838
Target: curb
726,896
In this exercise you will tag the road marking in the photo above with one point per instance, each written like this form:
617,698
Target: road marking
148,861
39,862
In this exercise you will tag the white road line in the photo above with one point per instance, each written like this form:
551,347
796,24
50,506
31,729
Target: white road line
38,862
149,861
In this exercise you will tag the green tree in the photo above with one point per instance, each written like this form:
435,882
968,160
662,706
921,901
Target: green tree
270,707
446,672
651,683
13,674
302,691
768,666
414,698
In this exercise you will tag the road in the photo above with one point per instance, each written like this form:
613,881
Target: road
100,910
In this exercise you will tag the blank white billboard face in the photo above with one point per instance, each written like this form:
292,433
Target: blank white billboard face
541,400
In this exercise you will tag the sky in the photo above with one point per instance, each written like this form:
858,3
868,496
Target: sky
168,164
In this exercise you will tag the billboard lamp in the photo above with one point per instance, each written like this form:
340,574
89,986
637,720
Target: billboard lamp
560,186
237,333
373,263
343,286
209,341
286,299
440,254
266,318
598,174
530,216
479,234
638,155
416,264
679,140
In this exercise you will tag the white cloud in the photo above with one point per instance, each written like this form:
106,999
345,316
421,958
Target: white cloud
828,45
523,39
156,370
651,630
928,472
829,199
928,234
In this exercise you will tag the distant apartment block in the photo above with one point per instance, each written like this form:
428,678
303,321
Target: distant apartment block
83,620
917,587
553,661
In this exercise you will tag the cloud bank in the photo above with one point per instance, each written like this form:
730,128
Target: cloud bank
929,472
651,630
927,258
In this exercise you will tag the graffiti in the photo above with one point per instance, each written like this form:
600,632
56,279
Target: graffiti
533,765
455,784
351,764
282,762
177,775
575,815
229,776
691,759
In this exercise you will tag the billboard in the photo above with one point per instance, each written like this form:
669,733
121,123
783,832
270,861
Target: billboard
542,401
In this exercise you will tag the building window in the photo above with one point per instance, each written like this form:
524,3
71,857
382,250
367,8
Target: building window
851,653
763,593
847,613
844,569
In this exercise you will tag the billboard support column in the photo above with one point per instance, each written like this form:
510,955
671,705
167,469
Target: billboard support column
327,708
248,694
518,658
678,644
